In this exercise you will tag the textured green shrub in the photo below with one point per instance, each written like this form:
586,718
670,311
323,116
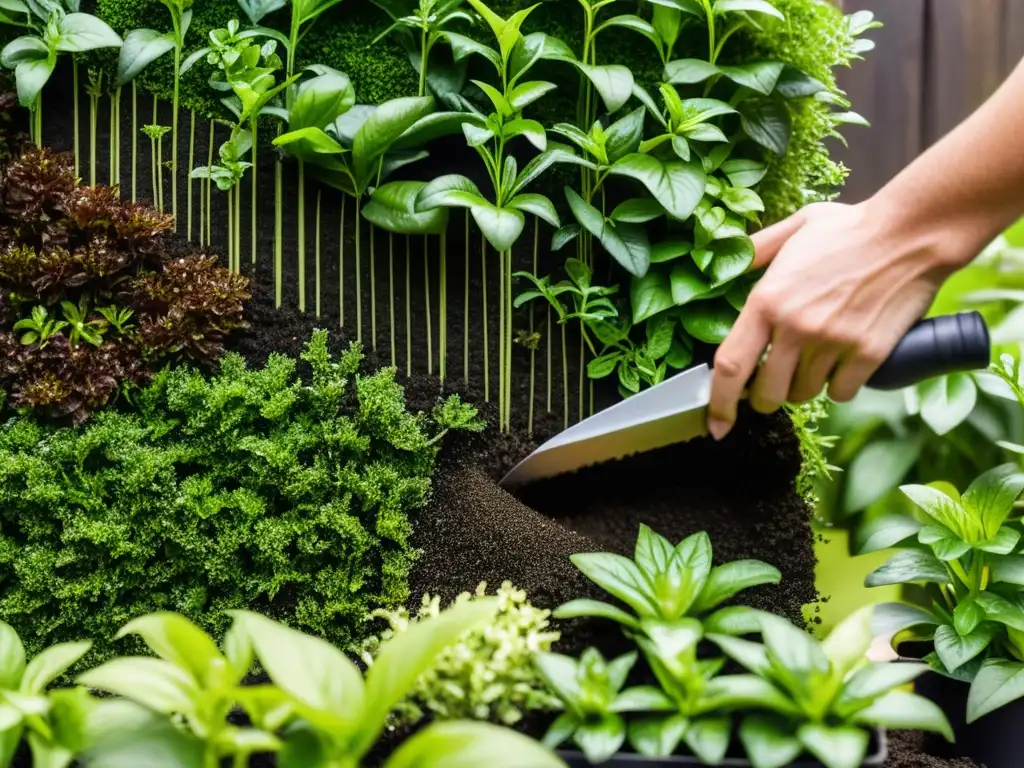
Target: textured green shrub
489,674
248,489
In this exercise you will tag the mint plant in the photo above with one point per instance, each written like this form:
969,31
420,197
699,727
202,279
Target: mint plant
966,553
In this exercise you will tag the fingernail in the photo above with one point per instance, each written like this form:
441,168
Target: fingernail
718,428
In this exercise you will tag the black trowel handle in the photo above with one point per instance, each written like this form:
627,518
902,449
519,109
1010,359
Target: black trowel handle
935,347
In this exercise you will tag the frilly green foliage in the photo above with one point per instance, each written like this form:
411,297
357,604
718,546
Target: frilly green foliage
807,421
489,674
250,489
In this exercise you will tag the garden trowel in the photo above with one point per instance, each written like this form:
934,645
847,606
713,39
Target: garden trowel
675,410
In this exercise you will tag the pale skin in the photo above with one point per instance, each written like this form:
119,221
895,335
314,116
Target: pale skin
845,282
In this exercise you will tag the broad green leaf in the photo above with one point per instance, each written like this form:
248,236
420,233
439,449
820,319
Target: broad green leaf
451,191
709,321
393,208
653,552
623,137
884,532
1003,543
174,638
124,734
943,542
464,744
601,739
255,10
943,510
759,76
30,77
681,583
542,162
632,23
752,6
847,644
81,32
603,366
892,618
613,83
643,698
660,333
744,173
792,649
677,186
752,656
538,205
525,94
307,10
990,498
877,469
50,664
25,48
998,683
657,736
877,678
947,401
999,609
649,295
308,144
140,49
620,577
308,669
729,579
734,620
501,226
837,747
669,250
639,210
708,738
154,683
747,692
627,244
463,46
689,71
561,675
12,658
967,615
530,129
321,100
909,567
769,123
905,711
1009,569
435,126
387,123
768,744
596,609
955,650
730,258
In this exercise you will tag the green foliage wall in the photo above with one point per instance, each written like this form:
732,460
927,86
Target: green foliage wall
247,490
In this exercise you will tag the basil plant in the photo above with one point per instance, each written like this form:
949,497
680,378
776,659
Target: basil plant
965,550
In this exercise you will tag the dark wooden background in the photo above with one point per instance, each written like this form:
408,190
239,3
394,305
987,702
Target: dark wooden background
935,62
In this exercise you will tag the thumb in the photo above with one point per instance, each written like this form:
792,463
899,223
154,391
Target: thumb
770,240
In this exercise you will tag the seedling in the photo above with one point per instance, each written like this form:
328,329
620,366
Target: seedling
39,328
82,328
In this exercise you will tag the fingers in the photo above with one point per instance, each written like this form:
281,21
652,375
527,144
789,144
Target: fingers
813,373
854,372
735,362
769,241
775,377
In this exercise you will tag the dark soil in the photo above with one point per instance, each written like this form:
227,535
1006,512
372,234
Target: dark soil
906,751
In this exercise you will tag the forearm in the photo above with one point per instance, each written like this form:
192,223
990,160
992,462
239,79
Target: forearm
966,189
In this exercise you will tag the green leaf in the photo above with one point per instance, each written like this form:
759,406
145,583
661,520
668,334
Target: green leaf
639,210
649,295
731,258
620,577
602,739
595,609
744,173
12,658
321,100
123,734
449,191
892,618
905,711
30,77
955,650
669,250
463,46
463,744
908,567
998,683
387,123
753,6
709,321
81,32
745,202
677,186
1000,609
613,83
796,84
877,678
657,736
660,332
767,743
708,738
21,49
307,143
837,747
734,620
729,579
990,498
439,124
759,76
877,469
942,509
154,683
1003,543
943,542
848,643
501,226
525,94
687,284
752,656
633,23
393,208
968,615
769,124
947,401
140,49
747,692
884,532
538,205
689,71
531,129
1009,569
686,575
643,698
626,243
792,649
174,638
50,664
623,137
255,10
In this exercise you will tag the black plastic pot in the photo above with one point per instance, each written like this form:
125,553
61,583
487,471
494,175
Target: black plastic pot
993,741
876,759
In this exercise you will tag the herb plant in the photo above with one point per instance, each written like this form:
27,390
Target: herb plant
965,553
39,328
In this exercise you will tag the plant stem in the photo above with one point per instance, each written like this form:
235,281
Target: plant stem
483,291
253,127
341,263
174,136
426,298
135,135
302,236
549,358
231,253
191,165
209,187
373,290
408,305
111,139
316,255
391,292
160,172
117,132
533,347
93,99
278,228
74,97
465,312
359,272
565,380
424,54
442,308
508,340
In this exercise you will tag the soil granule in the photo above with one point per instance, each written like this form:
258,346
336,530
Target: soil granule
906,751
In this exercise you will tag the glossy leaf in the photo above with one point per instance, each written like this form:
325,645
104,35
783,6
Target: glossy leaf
450,191
731,258
677,186
639,210
321,100
387,123
24,48
464,744
752,6
884,532
140,49
769,124
525,94
708,738
50,664
650,295
942,509
596,609
501,226
176,639
613,83
627,244
124,734
81,32
620,577
669,250
768,744
908,567
623,137
906,711
30,77
744,173
729,579
955,650
836,746
990,498
892,618
255,10
393,208
947,401
998,682
877,678
531,130
709,321
881,466
154,683
657,736
538,205
689,71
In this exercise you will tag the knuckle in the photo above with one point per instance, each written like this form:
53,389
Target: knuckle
727,365
872,353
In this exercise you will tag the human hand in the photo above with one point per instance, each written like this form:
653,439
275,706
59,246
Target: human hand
844,284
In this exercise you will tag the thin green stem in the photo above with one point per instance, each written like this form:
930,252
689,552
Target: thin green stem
442,309
501,341
483,291
426,299
135,137
231,252
278,230
341,264
160,173
359,272
74,97
111,139
549,345
565,379
174,134
391,293
508,340
209,195
316,255
465,311
408,305
373,289
93,99
238,229
253,128
709,13
191,165
302,236
117,136
533,345
424,53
